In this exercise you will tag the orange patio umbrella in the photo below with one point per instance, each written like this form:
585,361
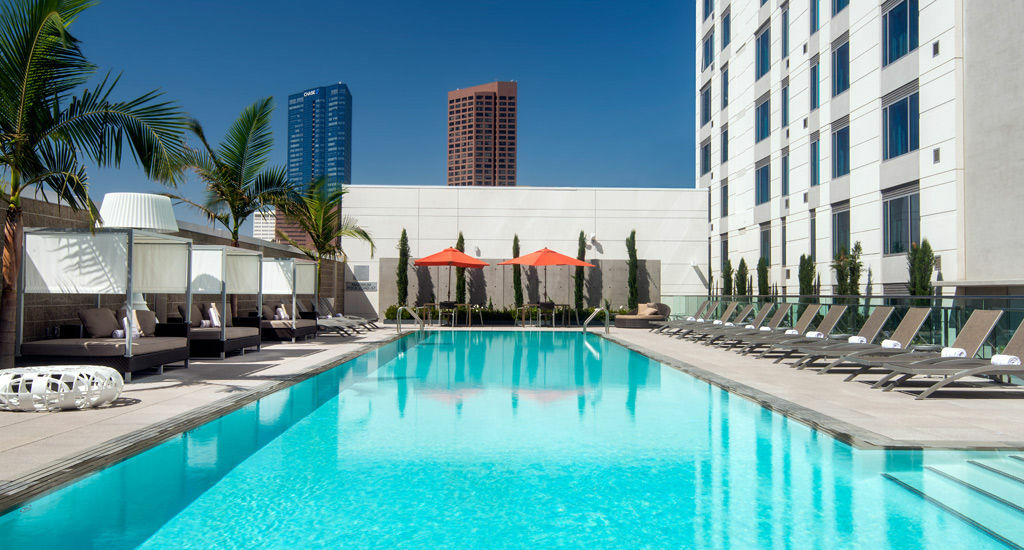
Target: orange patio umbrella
545,257
451,257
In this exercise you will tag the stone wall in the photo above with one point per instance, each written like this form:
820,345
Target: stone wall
493,284
43,312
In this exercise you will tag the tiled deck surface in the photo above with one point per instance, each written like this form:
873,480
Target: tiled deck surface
968,418
29,441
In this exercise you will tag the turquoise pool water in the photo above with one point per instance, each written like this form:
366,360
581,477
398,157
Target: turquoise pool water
493,440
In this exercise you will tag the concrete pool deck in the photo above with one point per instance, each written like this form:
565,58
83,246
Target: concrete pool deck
970,418
39,451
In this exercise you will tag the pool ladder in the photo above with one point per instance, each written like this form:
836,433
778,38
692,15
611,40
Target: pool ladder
398,317
607,318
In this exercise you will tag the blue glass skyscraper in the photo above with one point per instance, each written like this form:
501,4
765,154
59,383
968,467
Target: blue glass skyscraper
320,135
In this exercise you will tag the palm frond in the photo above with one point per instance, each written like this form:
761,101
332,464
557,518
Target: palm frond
250,139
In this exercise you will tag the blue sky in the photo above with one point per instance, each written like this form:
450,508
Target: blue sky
605,88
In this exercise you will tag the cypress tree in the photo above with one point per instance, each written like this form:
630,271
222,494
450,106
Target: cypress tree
727,278
402,271
517,275
742,277
633,265
581,254
920,263
806,275
460,273
762,277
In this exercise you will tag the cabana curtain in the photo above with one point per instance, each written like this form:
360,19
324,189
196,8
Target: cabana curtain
211,266
279,277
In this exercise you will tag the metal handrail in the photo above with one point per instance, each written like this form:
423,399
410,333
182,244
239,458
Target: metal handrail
607,319
398,318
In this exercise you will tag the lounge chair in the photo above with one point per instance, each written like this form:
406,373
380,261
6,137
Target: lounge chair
292,329
762,339
161,344
677,324
643,316
690,327
954,370
658,326
706,329
970,339
789,345
324,308
731,337
902,336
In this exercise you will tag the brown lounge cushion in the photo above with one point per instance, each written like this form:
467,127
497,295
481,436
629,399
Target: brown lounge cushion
101,347
99,322
213,333
647,309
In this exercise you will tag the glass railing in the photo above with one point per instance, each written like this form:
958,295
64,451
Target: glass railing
948,314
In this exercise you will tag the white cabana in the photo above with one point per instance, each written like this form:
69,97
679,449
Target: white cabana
104,261
289,276
224,270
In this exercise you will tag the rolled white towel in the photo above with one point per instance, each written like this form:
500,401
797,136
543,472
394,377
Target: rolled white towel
281,314
815,334
214,317
792,332
277,316
691,318
891,344
338,315
766,329
751,327
954,352
857,340
124,325
205,323
117,334
730,324
699,320
716,322
1005,360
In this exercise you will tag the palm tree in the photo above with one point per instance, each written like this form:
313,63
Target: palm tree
318,214
237,178
49,124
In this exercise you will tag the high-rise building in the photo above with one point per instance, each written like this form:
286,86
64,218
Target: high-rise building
263,224
826,123
319,142
482,135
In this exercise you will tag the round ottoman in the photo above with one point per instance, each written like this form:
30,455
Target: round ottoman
61,387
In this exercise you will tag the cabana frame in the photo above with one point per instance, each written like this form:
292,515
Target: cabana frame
106,262
212,275
290,277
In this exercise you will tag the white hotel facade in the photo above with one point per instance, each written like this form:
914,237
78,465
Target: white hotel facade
823,123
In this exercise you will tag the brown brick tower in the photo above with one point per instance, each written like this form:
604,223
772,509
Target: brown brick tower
482,135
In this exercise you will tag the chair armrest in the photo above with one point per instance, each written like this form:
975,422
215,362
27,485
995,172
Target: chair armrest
178,330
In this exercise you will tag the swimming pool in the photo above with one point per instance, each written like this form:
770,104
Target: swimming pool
501,439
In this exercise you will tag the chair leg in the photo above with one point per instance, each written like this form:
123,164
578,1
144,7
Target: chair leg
885,379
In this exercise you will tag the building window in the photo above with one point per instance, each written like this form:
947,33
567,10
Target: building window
901,223
900,121
725,145
815,162
763,184
839,5
724,199
841,69
899,31
814,235
725,87
705,157
785,32
705,104
785,173
764,57
785,105
764,120
815,15
841,152
709,50
726,29
782,236
840,231
709,8
815,85
724,250
766,242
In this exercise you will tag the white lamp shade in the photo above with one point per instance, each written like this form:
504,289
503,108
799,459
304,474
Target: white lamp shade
138,211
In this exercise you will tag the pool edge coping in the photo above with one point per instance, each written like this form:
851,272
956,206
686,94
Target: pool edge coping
17,492
840,430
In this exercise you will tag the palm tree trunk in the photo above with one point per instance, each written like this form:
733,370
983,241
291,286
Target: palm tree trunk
13,231
234,297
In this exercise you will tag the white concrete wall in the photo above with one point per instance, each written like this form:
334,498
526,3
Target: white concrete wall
671,224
